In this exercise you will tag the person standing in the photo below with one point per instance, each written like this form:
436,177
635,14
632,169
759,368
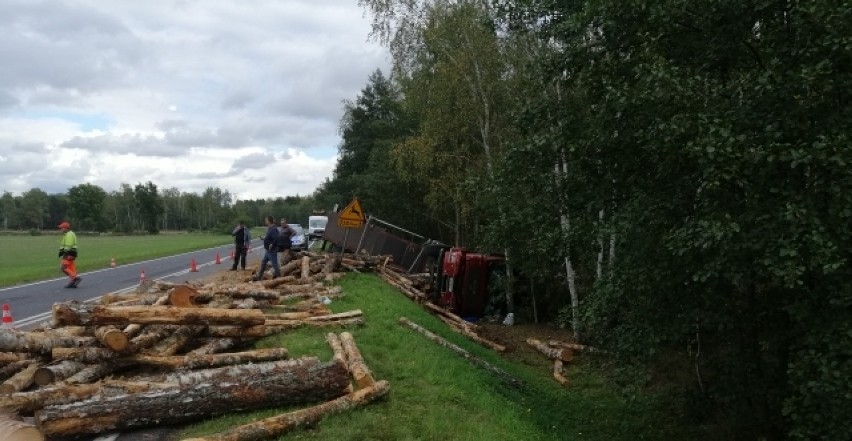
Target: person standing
68,255
242,241
286,233
270,247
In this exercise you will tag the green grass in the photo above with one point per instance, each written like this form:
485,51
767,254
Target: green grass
31,258
437,395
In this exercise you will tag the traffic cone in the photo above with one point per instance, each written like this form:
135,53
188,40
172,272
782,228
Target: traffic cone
192,267
112,262
8,323
218,260
142,276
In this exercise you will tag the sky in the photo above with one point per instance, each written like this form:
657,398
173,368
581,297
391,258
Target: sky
244,96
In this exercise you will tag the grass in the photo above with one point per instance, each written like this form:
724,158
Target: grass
437,395
31,258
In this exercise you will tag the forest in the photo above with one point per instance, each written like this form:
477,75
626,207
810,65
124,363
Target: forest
670,180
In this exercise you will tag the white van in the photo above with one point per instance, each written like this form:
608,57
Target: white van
316,226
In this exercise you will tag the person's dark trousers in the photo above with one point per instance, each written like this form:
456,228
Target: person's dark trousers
270,256
239,257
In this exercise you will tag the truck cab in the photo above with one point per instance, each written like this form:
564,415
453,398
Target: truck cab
462,281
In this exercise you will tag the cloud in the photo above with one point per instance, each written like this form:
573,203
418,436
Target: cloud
185,94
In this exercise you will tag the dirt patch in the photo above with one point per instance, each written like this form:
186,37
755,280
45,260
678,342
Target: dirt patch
515,339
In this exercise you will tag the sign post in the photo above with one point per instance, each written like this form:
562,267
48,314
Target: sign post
352,216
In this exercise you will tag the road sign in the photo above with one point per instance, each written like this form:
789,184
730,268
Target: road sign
352,216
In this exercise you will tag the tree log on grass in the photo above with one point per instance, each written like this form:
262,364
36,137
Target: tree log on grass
272,427
464,330
360,372
293,382
558,373
576,347
500,373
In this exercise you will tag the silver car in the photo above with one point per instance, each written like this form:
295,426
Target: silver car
298,241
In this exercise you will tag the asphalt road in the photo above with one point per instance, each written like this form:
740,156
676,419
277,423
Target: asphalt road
30,304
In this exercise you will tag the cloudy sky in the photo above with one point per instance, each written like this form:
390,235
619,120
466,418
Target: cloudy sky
245,96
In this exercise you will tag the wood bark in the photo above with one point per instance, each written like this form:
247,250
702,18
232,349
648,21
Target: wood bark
8,357
60,393
216,345
306,267
236,331
296,382
133,329
174,342
83,314
336,346
151,336
278,425
500,373
360,372
242,291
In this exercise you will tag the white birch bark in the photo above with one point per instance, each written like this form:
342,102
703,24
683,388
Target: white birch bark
570,275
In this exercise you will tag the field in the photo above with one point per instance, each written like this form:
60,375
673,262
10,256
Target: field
28,258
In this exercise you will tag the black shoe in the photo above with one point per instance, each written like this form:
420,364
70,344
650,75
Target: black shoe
76,281
232,269
70,285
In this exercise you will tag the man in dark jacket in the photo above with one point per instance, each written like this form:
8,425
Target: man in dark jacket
286,234
270,248
242,241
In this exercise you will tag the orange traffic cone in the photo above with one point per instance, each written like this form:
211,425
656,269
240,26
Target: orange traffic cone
218,260
142,276
192,267
8,323
112,262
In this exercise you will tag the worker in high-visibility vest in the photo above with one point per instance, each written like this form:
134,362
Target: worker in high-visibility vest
68,255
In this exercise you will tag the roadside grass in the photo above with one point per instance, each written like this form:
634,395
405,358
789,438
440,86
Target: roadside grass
32,258
437,395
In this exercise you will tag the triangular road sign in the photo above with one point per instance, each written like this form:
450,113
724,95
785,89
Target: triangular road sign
353,212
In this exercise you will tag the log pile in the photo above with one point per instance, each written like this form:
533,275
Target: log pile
136,360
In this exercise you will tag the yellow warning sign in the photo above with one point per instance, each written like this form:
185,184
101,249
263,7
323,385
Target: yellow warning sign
352,216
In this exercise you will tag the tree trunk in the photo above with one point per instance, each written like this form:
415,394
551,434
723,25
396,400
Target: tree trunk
558,374
83,314
472,335
202,361
9,357
13,368
336,346
563,354
281,383
57,371
113,338
272,427
173,343
39,342
306,267
500,373
360,372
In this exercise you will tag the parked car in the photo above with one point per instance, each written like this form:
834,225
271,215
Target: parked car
298,241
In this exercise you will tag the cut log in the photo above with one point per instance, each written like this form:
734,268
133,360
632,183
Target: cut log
306,267
60,393
360,372
173,343
236,331
12,368
39,342
242,291
56,372
113,338
446,313
83,355
336,346
183,296
151,336
552,353
21,380
576,347
215,345
332,317
9,357
13,429
275,426
293,382
129,299
198,361
83,314
464,330
558,374
133,329
500,373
